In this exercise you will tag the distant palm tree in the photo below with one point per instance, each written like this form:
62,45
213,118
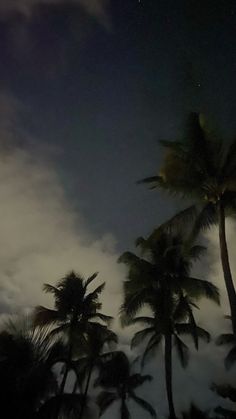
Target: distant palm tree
93,354
119,384
161,280
228,339
195,413
76,314
202,169
227,392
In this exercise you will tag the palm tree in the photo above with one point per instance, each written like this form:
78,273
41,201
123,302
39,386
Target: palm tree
227,392
119,384
171,318
160,279
228,339
195,413
92,356
75,315
27,356
202,168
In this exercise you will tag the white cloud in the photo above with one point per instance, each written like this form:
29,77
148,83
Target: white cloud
95,8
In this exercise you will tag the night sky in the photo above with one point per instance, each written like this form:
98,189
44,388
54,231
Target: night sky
100,95
87,88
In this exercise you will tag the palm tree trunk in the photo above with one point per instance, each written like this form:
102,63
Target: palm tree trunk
168,374
63,383
86,391
226,266
123,409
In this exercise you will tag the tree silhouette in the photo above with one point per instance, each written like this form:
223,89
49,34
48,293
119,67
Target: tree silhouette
161,280
76,314
27,356
228,339
92,356
202,168
171,318
119,384
227,392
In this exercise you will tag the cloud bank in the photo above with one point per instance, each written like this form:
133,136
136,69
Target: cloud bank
98,9
42,238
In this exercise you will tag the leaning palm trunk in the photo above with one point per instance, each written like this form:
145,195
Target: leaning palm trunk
168,374
86,391
226,266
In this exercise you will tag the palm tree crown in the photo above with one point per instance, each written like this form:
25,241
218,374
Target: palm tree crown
75,317
119,384
202,168
160,279
165,263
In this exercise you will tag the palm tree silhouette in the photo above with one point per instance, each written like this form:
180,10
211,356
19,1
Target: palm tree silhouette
93,354
228,339
27,356
171,318
119,384
76,314
160,279
227,392
202,168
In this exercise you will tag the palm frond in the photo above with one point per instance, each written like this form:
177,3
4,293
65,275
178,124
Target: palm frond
229,165
132,305
140,336
94,294
206,218
195,252
153,181
230,359
70,405
225,338
151,348
144,404
180,220
136,380
90,279
143,319
182,351
51,289
225,413
193,330
198,288
225,391
106,319
104,400
44,316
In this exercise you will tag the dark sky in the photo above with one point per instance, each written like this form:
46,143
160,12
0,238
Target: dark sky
100,98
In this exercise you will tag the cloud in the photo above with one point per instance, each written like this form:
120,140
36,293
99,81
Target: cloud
42,238
97,9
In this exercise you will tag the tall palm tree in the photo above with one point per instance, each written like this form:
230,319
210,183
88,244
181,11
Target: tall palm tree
119,384
202,168
171,318
76,314
93,354
161,279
